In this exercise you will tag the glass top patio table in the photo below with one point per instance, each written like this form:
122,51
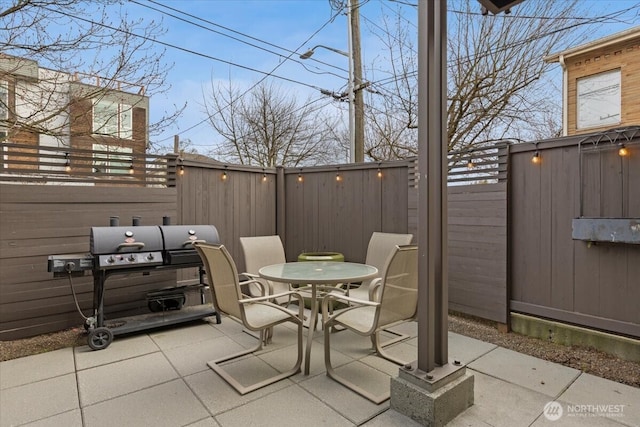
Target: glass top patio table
316,273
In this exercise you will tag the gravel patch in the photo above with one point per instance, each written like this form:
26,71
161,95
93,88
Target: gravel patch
42,343
585,359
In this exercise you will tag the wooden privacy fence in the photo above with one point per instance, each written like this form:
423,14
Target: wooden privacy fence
314,208
597,284
238,201
338,208
510,239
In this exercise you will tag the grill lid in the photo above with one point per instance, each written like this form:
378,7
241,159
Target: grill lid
114,240
182,237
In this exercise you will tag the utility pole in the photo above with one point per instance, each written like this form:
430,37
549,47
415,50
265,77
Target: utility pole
353,13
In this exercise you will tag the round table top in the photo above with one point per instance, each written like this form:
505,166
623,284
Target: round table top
318,272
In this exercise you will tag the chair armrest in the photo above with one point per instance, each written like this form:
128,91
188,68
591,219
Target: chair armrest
374,289
267,300
344,298
269,297
263,287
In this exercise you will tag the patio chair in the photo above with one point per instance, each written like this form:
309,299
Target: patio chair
256,314
259,252
380,247
397,304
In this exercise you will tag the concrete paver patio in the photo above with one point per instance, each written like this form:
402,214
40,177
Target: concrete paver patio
161,378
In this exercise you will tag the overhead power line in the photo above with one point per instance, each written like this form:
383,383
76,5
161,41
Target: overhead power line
289,52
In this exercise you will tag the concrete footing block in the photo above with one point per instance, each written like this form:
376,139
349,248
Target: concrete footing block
429,406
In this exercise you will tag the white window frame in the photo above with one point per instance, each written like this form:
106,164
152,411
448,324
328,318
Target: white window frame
4,106
599,100
104,163
113,119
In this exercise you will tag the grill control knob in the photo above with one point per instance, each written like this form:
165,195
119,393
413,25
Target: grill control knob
132,258
150,257
110,260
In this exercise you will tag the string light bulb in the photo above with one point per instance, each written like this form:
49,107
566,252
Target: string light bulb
623,151
379,173
264,177
338,177
181,169
470,164
536,158
224,175
299,177
131,168
67,163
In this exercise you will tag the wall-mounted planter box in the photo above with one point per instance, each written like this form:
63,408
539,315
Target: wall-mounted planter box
612,230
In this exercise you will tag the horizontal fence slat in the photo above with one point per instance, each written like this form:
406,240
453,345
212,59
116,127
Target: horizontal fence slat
29,163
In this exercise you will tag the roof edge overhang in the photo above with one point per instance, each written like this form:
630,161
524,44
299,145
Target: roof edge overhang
613,39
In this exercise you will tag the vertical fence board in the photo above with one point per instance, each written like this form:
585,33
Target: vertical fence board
590,184
611,200
564,178
524,203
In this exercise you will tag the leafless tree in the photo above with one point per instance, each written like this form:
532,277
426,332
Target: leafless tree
496,85
267,127
78,41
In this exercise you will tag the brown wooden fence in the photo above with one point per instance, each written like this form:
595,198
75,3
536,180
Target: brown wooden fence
510,241
552,275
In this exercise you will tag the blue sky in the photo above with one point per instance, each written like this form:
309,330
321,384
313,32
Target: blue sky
280,27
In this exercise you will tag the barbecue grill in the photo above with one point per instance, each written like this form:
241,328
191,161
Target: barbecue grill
124,250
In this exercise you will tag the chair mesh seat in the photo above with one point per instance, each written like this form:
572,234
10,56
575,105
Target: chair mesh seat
358,319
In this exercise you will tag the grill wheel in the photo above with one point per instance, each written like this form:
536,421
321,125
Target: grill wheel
99,338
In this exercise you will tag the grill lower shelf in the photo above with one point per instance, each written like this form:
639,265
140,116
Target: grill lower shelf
141,322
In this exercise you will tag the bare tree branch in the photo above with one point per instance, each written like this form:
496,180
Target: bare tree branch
495,69
269,128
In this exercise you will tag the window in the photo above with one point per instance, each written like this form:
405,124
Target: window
598,101
111,159
113,119
4,108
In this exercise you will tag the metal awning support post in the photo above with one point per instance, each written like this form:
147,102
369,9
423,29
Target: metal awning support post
419,390
432,188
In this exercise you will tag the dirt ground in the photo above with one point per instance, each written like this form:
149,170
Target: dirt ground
587,360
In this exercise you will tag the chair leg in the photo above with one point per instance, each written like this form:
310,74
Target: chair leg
333,375
398,337
215,365
375,339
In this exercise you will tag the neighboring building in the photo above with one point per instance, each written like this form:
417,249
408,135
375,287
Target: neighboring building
601,83
47,108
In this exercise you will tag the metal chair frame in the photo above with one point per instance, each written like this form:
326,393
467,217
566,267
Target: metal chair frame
258,314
